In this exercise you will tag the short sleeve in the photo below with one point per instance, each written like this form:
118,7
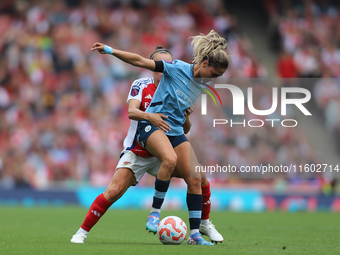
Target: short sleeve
136,91
170,67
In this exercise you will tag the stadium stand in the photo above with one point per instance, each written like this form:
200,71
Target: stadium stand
62,107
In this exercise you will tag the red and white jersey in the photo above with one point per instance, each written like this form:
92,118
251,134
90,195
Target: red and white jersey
143,90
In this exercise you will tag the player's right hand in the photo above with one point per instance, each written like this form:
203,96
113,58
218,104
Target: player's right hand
189,111
98,46
156,119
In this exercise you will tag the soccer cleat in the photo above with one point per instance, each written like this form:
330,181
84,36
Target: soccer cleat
210,231
198,240
78,238
152,222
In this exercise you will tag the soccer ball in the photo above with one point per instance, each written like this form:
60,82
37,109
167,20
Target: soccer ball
172,230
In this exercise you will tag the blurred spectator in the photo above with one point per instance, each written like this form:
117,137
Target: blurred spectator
286,66
309,31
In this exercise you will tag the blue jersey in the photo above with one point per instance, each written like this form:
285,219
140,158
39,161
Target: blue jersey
176,92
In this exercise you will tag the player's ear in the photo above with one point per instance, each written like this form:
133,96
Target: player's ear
205,63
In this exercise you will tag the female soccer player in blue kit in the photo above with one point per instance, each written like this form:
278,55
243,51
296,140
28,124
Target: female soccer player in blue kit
140,161
177,91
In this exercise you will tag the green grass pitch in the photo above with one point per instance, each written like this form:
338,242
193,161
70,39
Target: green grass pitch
49,230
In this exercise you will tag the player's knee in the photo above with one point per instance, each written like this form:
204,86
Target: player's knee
204,181
194,183
114,191
169,162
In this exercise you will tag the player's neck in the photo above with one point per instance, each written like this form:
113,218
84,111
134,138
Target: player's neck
196,71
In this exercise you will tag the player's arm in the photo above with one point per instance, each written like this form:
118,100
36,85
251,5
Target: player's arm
155,119
187,124
128,57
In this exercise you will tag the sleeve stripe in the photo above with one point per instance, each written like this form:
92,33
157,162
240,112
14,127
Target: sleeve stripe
143,81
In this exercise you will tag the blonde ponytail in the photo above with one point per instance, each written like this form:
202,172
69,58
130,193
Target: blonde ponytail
211,47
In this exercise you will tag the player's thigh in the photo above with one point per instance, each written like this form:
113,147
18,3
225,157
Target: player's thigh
123,177
138,165
153,166
159,145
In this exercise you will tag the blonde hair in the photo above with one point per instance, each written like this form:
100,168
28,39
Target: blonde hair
211,47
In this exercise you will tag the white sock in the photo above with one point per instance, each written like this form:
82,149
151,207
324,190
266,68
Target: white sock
82,231
193,231
205,222
155,210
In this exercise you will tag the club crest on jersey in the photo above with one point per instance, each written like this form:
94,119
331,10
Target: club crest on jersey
147,128
169,62
134,90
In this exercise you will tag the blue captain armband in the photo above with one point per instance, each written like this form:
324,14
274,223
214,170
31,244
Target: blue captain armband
108,50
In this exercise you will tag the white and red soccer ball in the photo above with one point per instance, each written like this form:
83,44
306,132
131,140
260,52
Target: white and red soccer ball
172,230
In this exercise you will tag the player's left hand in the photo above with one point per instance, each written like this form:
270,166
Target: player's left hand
189,111
98,46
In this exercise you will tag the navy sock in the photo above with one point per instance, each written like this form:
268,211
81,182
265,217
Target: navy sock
161,187
194,203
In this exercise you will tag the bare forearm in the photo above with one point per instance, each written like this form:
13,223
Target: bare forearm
127,57
130,58
137,114
187,125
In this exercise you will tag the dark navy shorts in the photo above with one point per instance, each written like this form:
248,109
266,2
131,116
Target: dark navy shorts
144,130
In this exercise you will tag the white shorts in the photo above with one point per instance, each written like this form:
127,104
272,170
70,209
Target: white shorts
139,165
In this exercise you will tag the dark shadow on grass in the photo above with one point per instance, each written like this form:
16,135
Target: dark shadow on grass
128,243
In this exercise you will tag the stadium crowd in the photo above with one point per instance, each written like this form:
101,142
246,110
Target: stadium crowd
62,107
309,41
